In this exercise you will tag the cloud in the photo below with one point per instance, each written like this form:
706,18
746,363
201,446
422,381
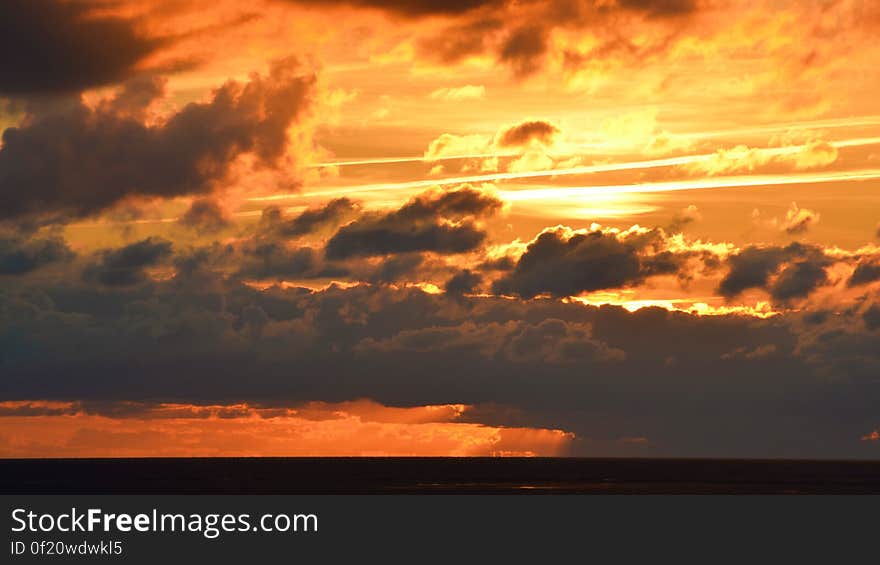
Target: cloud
524,48
660,8
68,162
531,137
127,265
562,262
395,268
551,341
457,94
497,31
448,145
278,261
438,221
60,46
759,352
756,267
328,216
799,279
598,372
798,220
871,317
525,133
743,158
814,154
408,8
463,282
867,271
20,255
686,216
206,216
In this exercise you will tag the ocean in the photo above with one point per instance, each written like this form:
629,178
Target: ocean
436,475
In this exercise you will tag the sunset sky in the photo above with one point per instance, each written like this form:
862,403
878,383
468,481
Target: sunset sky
400,227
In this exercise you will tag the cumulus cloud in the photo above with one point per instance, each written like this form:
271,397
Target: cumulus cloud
206,216
438,221
798,220
867,271
762,268
328,216
525,133
562,262
20,254
75,161
127,265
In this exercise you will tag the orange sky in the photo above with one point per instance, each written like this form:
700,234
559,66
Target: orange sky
740,114
53,429
701,156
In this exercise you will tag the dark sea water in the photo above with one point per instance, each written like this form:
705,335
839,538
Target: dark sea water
436,476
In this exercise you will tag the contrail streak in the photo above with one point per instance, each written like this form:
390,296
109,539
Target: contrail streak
698,184
580,170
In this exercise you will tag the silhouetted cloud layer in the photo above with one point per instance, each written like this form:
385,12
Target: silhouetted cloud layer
73,161
62,46
602,373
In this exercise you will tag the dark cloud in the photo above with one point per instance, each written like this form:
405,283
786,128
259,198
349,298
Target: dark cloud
754,266
329,216
798,280
367,238
871,316
499,31
558,8
504,263
437,221
127,265
867,271
410,8
203,262
60,46
660,8
278,261
527,132
135,96
463,282
598,372
395,268
20,255
561,264
461,40
551,341
524,49
205,216
76,161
